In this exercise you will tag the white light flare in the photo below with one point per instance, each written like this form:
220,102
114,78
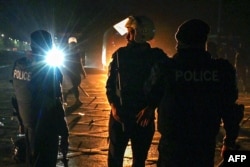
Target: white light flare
55,57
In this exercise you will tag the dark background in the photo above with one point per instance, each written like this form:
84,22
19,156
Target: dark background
89,19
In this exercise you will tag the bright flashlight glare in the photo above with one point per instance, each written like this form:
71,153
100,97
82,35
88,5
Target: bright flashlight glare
55,57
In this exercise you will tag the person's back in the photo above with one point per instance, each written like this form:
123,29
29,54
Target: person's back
135,62
193,80
190,112
193,93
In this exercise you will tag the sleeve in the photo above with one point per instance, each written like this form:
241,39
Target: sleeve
62,123
154,85
57,83
232,113
111,82
63,130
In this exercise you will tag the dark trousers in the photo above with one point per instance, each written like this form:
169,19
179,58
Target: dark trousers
180,153
76,81
140,137
42,149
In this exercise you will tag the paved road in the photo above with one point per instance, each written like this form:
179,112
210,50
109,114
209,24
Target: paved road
88,126
90,134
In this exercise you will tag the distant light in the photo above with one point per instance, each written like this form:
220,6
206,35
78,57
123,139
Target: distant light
55,57
81,114
120,27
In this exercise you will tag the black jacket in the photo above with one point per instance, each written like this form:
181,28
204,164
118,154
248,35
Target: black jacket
135,62
193,93
73,64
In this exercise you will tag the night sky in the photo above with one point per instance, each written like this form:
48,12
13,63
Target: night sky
91,18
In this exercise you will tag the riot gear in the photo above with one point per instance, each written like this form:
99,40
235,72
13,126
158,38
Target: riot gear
143,26
193,31
193,92
124,89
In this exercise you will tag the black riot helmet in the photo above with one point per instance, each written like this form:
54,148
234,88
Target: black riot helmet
41,42
193,33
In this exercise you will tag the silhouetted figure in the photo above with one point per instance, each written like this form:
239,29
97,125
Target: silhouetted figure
127,72
74,69
37,89
193,92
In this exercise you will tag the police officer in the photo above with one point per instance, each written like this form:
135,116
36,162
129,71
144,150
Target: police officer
129,68
74,70
193,93
37,88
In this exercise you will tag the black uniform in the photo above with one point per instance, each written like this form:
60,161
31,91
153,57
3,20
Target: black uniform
133,63
38,91
74,70
193,93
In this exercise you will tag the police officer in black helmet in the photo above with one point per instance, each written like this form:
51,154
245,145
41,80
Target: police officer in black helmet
37,88
193,93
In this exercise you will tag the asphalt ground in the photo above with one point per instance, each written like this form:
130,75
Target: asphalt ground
88,123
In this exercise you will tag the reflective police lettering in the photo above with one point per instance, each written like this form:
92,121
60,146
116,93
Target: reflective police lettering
235,158
197,76
22,75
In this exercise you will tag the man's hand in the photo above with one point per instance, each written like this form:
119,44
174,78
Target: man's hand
114,113
145,116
